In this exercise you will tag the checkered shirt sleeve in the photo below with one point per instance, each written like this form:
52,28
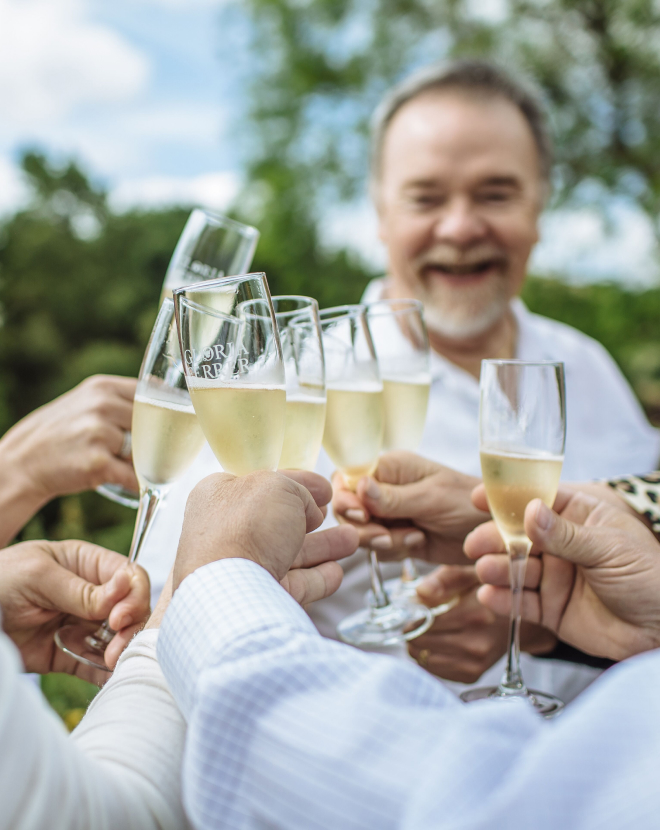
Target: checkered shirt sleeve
289,730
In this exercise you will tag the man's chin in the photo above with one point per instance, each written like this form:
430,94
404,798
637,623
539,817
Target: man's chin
462,324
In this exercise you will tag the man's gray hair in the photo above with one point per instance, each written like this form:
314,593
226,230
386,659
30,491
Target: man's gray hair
474,77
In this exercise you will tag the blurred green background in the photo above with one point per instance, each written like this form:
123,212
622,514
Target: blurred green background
79,284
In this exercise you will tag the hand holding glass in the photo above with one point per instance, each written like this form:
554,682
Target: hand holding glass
522,426
166,441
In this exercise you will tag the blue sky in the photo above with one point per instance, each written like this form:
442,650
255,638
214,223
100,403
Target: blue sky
147,94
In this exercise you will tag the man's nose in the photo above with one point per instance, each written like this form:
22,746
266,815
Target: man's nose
459,222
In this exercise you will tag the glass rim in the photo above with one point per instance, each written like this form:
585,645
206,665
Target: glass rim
339,312
207,285
309,304
495,361
204,309
407,303
225,221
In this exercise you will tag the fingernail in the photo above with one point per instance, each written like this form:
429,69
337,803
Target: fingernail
429,586
372,489
410,540
381,542
356,516
544,517
122,622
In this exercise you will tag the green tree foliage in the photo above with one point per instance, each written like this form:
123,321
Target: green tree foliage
318,68
79,289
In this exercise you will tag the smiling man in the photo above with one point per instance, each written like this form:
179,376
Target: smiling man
461,164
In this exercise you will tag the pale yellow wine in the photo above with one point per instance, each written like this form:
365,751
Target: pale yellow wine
511,482
305,419
166,440
243,424
405,412
353,434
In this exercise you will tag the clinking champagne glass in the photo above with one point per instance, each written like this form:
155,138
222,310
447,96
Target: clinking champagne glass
522,427
353,438
211,246
302,350
402,346
166,441
234,371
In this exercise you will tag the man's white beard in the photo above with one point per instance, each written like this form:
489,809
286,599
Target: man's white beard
459,313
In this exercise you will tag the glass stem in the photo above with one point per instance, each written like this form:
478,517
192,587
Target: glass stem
409,572
147,509
381,600
512,681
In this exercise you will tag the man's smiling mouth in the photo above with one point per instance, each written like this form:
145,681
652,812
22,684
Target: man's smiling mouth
470,269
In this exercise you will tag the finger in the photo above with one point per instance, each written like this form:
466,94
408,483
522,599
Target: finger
394,501
402,467
566,539
346,503
327,545
482,540
114,384
116,410
119,471
134,607
118,643
498,600
446,582
467,613
319,487
479,499
311,584
493,569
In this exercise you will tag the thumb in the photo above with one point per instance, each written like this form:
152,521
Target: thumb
390,501
71,594
562,537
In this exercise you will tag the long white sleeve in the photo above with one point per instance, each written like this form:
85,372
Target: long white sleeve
288,730
119,772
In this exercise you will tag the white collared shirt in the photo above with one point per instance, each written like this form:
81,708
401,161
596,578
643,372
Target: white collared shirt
289,730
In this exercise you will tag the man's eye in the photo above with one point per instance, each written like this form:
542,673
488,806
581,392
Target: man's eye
496,196
425,201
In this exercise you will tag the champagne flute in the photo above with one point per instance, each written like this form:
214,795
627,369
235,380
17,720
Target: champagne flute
302,350
522,431
166,441
234,371
353,438
402,346
211,246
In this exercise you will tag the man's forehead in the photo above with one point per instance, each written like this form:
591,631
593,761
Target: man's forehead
444,134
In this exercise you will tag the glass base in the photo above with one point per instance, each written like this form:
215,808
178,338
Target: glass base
115,492
546,705
385,626
401,591
79,641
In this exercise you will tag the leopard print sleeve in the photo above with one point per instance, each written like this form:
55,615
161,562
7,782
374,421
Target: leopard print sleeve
642,493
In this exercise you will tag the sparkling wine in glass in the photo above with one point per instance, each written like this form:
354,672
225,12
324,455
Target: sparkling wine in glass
211,246
353,438
234,371
166,440
402,346
302,350
522,426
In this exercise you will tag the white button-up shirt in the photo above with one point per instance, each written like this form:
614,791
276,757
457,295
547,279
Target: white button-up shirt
289,730
607,435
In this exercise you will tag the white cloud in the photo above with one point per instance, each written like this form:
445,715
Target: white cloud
212,190
53,59
580,245
354,227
